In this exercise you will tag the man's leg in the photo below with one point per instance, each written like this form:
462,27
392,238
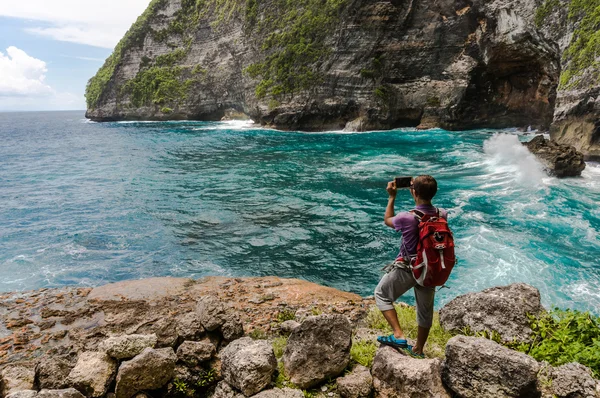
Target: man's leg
393,285
424,296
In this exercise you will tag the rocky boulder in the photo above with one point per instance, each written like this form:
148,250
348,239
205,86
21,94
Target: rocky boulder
16,378
211,312
480,368
192,353
224,390
318,349
248,365
52,372
502,310
189,327
280,393
558,159
572,380
232,328
127,346
356,384
93,373
63,393
150,370
398,375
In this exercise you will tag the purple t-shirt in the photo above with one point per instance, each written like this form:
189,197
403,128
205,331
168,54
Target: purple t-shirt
408,225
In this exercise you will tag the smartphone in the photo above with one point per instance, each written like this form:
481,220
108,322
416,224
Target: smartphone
403,182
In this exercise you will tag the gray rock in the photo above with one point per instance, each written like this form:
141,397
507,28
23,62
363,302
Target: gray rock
232,328
398,375
150,370
16,378
288,326
318,349
248,365
127,346
192,353
502,310
189,327
573,380
52,373
62,393
224,390
211,312
93,373
280,393
356,384
23,394
480,368
558,160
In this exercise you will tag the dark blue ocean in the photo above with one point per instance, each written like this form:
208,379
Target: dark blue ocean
85,204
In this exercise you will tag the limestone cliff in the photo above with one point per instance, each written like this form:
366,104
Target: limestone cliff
575,26
330,64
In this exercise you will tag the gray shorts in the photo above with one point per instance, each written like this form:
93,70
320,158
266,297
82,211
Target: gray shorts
397,282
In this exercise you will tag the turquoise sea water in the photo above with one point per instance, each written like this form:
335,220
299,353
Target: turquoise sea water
85,204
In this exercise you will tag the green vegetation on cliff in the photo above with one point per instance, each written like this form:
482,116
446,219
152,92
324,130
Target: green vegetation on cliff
584,49
134,36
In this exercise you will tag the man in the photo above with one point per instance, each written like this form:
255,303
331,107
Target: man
399,279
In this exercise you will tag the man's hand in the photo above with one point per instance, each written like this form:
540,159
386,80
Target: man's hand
391,189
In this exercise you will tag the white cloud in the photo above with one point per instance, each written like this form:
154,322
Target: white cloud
98,23
22,75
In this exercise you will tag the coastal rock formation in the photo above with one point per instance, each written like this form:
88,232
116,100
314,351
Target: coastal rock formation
501,310
329,65
149,370
193,352
558,159
573,380
52,372
480,368
318,349
573,26
93,373
63,393
128,346
356,384
248,365
396,374
16,378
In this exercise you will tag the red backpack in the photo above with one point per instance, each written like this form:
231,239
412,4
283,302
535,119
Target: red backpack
435,250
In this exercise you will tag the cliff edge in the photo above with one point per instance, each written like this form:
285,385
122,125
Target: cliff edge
319,65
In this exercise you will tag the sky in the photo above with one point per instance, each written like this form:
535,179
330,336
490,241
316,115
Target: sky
50,49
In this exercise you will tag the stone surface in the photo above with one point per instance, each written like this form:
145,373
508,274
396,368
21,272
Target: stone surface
212,312
189,327
16,378
499,309
52,373
389,64
192,353
280,393
573,380
288,326
151,369
398,375
23,394
318,349
248,365
224,390
232,328
558,160
127,346
480,368
356,384
93,373
62,393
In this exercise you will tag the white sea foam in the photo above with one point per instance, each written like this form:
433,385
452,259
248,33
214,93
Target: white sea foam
508,156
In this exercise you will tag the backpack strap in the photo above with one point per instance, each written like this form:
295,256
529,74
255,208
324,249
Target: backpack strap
418,213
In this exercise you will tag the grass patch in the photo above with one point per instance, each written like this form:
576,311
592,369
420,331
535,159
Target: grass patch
563,336
363,352
258,334
279,346
286,315
407,316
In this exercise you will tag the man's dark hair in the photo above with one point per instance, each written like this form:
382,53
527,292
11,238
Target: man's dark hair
425,187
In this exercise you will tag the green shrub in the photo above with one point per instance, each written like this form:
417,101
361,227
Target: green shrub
279,346
545,10
407,316
563,336
363,352
286,315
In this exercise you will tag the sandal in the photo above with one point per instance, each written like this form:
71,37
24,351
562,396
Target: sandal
392,341
409,351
